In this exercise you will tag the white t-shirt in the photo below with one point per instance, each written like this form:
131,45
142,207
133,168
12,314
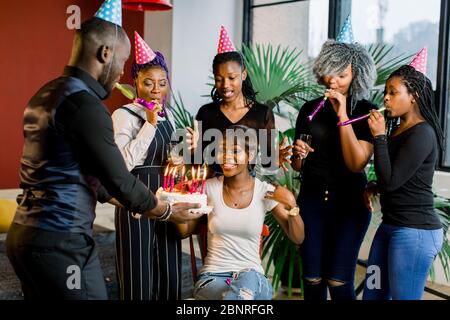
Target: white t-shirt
234,234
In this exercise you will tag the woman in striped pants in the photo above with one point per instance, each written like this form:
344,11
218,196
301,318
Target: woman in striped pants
148,252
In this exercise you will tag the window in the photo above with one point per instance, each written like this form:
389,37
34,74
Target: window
446,115
300,24
409,25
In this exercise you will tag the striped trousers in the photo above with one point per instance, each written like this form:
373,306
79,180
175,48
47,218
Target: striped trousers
148,254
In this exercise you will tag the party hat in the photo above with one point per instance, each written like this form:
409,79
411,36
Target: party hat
225,44
346,33
420,61
111,10
143,53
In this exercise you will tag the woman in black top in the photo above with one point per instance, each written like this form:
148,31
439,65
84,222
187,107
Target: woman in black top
410,236
333,179
234,103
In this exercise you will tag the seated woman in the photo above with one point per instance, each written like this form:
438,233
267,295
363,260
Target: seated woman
232,269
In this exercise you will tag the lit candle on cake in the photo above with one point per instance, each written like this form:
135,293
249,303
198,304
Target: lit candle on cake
198,178
172,183
182,179
203,180
168,178
165,177
193,180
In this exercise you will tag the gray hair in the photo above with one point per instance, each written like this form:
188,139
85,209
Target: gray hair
335,56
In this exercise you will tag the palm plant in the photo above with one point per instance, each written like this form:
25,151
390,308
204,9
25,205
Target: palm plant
183,118
277,74
442,207
385,66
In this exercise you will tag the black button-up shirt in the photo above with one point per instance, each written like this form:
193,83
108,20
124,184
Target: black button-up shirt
70,157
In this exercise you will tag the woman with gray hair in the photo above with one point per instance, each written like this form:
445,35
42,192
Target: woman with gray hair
333,178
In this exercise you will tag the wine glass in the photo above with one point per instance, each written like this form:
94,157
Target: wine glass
174,153
307,138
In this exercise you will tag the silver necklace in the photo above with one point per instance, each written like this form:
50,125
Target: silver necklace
229,195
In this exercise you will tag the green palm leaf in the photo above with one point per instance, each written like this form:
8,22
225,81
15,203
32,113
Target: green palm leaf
277,74
183,118
385,65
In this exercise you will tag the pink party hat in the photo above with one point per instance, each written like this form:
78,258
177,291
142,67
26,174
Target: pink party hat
143,53
225,44
420,61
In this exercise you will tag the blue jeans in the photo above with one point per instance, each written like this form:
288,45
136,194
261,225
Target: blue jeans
399,262
335,225
246,284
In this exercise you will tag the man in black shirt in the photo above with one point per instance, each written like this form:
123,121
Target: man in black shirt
69,161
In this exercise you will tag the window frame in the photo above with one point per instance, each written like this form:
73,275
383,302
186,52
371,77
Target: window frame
443,74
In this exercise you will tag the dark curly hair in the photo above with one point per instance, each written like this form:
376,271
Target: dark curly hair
421,88
247,87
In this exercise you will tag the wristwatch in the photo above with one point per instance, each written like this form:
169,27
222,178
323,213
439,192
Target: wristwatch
295,211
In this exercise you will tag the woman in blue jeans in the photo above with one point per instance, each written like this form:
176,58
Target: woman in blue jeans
411,235
333,179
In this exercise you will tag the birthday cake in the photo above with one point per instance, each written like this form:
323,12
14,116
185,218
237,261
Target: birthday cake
176,196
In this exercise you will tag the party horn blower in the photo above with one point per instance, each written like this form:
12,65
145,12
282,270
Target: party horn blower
127,90
344,123
153,106
319,106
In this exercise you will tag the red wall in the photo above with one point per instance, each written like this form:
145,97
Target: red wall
35,47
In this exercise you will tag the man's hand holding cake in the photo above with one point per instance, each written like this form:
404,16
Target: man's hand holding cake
177,188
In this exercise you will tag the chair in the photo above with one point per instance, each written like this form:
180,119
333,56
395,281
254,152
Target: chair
7,211
201,233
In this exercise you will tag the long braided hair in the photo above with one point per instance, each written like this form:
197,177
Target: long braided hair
421,88
247,87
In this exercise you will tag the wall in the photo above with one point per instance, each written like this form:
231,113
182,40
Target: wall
35,46
194,36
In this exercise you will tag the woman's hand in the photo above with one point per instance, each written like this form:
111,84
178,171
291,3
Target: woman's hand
339,103
283,196
376,122
152,115
301,149
370,192
368,200
192,136
284,153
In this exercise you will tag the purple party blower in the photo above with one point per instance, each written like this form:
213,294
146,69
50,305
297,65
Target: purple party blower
319,106
344,123
150,105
